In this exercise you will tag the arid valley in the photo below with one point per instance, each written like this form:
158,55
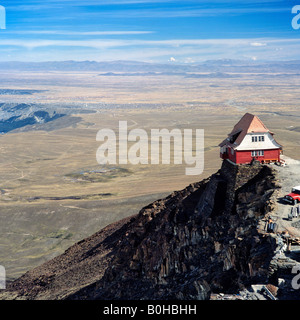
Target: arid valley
53,192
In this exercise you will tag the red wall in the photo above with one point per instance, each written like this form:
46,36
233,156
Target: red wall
228,155
231,156
245,156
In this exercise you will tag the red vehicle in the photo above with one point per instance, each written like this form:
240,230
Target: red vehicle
294,196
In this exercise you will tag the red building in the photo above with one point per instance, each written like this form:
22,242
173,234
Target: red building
250,140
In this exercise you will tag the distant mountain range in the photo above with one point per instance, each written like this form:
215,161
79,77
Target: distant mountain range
223,65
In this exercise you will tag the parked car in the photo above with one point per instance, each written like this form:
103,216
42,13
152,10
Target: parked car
294,196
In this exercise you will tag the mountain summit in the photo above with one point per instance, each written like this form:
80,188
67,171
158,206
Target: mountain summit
209,237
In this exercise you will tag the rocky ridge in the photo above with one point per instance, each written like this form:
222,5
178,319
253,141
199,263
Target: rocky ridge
208,238
18,116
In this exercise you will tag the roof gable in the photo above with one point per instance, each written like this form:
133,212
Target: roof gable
249,123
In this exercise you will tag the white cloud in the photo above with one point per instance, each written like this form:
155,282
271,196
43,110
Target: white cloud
257,44
178,43
78,33
189,60
187,50
109,43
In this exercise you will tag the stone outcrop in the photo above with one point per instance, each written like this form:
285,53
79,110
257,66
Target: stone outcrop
205,238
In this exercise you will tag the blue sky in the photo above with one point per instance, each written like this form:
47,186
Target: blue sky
148,30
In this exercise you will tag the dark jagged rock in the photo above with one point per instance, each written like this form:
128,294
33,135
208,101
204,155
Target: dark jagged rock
204,238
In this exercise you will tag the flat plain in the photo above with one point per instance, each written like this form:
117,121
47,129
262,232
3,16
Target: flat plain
52,190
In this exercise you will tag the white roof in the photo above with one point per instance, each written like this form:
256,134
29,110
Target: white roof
296,188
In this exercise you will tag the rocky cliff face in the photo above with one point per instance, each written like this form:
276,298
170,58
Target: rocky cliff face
207,237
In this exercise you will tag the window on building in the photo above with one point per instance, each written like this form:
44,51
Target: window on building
258,138
259,153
